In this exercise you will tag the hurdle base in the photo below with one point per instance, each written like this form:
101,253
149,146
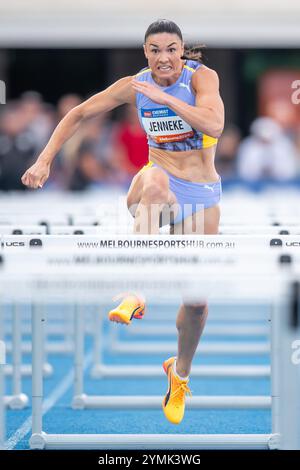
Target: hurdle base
38,441
84,401
16,402
79,402
154,441
47,370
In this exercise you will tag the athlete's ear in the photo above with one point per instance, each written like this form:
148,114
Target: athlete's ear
183,47
145,51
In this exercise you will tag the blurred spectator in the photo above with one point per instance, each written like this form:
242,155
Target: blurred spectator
284,113
66,103
130,146
267,154
63,164
39,118
91,162
226,152
17,147
297,144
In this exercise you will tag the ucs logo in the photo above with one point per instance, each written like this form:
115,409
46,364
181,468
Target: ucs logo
276,242
14,244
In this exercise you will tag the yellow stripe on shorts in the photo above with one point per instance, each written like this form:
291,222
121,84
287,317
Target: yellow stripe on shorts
146,167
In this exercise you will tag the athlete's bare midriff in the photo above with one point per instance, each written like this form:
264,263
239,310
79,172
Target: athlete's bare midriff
192,165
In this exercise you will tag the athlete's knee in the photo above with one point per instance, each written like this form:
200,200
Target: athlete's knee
197,308
155,192
134,193
194,312
132,205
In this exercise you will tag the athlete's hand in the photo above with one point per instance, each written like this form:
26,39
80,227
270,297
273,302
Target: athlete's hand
149,90
36,175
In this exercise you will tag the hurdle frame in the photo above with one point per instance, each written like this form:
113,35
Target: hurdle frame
41,440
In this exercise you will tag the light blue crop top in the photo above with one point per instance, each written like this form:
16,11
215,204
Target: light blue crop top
164,128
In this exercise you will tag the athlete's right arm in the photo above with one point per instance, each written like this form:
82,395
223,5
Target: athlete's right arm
119,93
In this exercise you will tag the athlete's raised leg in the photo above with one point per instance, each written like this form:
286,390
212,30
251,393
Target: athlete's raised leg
148,196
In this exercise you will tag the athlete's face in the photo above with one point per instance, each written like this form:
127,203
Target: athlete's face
164,52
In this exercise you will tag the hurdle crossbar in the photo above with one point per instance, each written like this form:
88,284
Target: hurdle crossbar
154,441
236,371
155,402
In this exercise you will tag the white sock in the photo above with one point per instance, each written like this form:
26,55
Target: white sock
177,375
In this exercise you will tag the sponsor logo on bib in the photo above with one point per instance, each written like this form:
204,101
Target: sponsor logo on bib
163,125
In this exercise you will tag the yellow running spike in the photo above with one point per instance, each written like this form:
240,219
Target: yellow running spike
131,307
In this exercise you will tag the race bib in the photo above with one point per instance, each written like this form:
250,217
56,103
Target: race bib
163,125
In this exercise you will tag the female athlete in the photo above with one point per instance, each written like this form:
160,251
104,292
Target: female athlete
180,109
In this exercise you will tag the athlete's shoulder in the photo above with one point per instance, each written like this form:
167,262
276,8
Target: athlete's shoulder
143,73
121,90
192,65
205,78
206,72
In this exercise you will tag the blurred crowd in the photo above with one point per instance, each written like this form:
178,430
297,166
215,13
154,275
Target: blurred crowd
109,151
271,151
104,151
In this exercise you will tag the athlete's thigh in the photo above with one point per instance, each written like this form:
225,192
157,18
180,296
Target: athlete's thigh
202,222
211,220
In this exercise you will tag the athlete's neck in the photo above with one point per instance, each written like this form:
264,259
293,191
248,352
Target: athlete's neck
164,82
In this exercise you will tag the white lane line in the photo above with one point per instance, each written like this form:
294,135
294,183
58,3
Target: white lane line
48,403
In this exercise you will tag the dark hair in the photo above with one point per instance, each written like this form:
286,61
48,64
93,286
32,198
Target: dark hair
191,52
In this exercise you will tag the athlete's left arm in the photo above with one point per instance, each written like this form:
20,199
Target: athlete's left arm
207,115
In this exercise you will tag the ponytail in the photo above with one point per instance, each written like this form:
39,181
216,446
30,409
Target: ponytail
193,52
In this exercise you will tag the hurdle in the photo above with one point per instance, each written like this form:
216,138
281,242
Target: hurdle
63,346
211,348
84,401
41,440
81,400
22,229
17,400
17,370
2,391
100,370
204,349
259,229
92,441
211,330
2,409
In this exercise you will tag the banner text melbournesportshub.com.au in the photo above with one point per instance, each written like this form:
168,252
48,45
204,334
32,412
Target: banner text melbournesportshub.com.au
135,243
